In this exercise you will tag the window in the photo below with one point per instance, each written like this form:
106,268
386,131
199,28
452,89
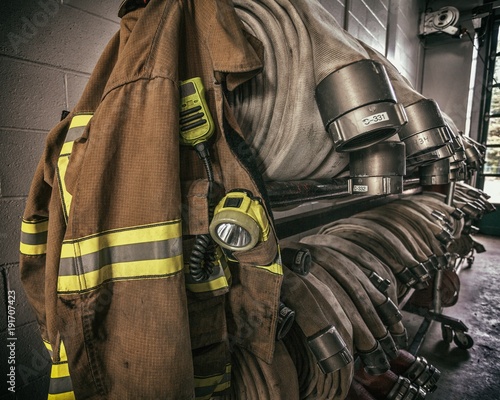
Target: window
490,174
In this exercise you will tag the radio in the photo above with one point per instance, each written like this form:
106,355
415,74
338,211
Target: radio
196,123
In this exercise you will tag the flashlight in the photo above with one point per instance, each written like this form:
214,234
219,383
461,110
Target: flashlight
239,221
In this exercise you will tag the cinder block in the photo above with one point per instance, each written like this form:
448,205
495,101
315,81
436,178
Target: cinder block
75,86
107,9
32,96
35,390
19,152
47,32
32,360
4,298
22,310
11,212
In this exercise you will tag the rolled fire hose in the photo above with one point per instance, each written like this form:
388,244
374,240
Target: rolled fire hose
346,267
420,225
277,110
409,236
415,244
373,245
416,369
363,257
453,224
455,215
429,230
312,381
385,237
427,212
326,257
356,284
471,190
384,278
390,386
367,347
312,321
333,310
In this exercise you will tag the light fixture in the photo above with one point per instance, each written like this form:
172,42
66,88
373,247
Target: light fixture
239,221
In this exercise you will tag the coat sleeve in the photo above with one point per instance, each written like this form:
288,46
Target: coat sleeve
41,224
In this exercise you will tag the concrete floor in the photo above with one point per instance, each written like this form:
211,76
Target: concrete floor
472,374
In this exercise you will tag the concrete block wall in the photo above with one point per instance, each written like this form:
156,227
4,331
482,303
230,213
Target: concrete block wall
48,49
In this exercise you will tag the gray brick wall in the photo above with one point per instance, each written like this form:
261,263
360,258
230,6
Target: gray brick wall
48,49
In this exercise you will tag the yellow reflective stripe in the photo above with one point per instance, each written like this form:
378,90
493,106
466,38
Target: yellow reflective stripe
219,279
48,346
61,396
59,370
208,286
66,197
118,272
60,387
80,120
78,123
205,387
35,227
62,352
34,237
274,268
142,252
121,237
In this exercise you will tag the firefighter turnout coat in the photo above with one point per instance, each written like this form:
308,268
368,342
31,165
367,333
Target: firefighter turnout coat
115,203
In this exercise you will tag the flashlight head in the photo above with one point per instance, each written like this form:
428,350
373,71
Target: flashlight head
239,222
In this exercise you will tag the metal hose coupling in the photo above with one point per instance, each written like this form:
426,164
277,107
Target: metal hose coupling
430,266
471,210
378,169
329,350
389,312
421,272
380,283
428,158
444,237
286,317
437,173
406,277
298,260
358,105
426,130
435,262
401,339
389,346
423,374
375,361
403,389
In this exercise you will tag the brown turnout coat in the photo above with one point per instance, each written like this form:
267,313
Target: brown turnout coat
114,205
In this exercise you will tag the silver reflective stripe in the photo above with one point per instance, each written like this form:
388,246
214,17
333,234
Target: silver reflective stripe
60,385
120,254
34,238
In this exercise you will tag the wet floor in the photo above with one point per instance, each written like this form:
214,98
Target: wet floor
472,374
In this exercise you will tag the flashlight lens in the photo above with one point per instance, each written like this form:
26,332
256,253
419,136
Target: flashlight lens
233,235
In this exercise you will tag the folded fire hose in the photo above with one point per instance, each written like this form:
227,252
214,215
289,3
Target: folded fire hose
312,68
